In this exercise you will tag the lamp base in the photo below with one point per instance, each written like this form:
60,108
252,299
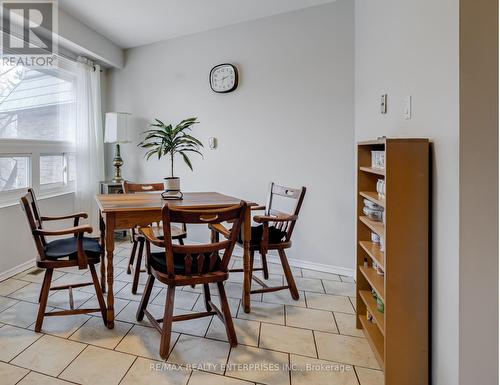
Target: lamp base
117,163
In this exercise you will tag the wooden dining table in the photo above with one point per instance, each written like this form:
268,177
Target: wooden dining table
125,211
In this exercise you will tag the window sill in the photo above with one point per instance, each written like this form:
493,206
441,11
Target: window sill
40,198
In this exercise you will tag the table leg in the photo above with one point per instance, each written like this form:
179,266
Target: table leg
110,246
247,278
102,229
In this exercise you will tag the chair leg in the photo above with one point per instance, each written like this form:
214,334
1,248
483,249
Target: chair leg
137,269
206,292
98,293
181,241
102,227
265,270
288,275
252,257
103,273
167,322
132,256
145,297
228,321
44,295
43,283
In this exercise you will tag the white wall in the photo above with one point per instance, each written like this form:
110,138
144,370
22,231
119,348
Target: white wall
290,120
81,40
411,48
17,245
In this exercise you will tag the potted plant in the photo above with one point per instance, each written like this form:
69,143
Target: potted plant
165,140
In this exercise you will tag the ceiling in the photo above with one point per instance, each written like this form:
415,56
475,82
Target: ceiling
131,23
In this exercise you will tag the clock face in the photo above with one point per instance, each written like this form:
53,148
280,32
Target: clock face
224,78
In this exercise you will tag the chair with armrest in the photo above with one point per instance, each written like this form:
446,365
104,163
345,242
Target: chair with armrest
178,233
77,250
274,232
183,265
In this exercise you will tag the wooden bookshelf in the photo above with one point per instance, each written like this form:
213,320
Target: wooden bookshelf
377,282
373,251
371,304
373,170
399,337
373,196
375,339
377,227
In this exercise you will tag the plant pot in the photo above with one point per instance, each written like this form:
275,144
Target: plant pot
172,188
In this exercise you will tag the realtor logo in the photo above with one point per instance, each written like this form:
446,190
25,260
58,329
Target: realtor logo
28,30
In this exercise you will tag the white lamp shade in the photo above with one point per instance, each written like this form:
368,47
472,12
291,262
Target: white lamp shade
117,128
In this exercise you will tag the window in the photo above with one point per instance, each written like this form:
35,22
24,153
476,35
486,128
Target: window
14,172
57,170
37,130
36,104
71,161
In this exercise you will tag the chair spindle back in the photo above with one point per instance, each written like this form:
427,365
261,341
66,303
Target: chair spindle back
202,259
30,207
294,194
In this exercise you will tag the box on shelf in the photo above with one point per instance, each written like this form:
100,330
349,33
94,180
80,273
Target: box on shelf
378,159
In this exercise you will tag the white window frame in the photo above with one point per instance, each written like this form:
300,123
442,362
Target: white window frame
57,187
34,149
9,196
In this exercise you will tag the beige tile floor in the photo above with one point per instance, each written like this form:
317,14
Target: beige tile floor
281,342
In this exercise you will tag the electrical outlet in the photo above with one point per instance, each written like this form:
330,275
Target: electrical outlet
407,108
383,104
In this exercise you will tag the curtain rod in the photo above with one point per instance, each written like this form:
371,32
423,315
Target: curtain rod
61,52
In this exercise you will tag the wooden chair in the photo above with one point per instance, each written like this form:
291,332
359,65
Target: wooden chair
178,233
65,252
182,265
273,233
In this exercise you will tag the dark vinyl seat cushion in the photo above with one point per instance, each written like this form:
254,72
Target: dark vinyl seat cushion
159,263
66,247
275,235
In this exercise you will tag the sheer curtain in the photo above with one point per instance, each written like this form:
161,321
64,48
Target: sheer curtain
89,140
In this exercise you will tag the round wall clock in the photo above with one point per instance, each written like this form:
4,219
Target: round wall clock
223,78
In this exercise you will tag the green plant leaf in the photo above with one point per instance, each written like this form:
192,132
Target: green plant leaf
186,159
160,122
193,139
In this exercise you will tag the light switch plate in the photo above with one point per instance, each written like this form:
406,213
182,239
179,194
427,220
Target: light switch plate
407,108
383,104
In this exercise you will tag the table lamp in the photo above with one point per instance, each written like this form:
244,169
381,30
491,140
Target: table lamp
117,131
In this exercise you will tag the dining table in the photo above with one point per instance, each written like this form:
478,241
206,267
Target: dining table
126,211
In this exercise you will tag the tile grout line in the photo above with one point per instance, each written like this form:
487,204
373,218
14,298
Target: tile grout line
336,323
356,374
42,374
128,370
23,377
289,368
315,345
27,347
73,360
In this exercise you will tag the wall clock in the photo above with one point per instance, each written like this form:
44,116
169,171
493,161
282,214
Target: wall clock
223,78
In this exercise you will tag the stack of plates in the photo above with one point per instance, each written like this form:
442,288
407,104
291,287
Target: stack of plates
373,210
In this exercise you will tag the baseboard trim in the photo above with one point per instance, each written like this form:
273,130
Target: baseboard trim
304,264
17,269
238,252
